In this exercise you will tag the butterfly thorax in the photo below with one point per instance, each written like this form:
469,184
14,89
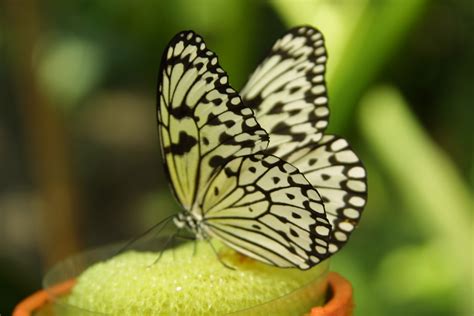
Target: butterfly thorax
193,224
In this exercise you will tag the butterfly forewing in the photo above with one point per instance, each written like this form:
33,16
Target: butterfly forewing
265,208
336,172
201,120
287,91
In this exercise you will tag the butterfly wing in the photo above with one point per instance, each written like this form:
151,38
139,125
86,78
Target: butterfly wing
287,91
336,172
264,208
288,94
202,121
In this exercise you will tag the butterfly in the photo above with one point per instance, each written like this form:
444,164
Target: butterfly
239,164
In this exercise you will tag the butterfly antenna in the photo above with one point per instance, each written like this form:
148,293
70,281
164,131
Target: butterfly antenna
168,241
218,257
188,238
164,221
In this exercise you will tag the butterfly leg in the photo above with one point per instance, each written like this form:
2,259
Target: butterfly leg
189,238
178,236
195,247
172,246
169,241
218,257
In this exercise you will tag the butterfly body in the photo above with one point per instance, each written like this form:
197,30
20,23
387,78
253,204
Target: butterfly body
190,222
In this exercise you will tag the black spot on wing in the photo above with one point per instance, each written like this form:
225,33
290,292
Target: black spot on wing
180,112
217,101
293,90
229,123
216,161
296,215
293,233
184,145
283,128
230,173
277,108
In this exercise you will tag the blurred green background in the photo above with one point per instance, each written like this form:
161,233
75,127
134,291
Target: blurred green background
79,155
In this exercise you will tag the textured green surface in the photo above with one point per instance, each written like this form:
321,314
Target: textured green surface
182,283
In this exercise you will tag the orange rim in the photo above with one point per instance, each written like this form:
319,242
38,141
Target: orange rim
340,304
40,298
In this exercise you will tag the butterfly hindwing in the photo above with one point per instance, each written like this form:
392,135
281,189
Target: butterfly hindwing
265,208
336,172
287,91
201,119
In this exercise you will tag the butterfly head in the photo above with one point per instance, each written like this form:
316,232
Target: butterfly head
188,221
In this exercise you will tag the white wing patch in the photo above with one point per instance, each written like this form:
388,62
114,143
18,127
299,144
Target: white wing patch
288,90
264,208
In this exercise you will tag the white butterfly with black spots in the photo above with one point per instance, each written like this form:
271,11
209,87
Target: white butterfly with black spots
214,155
288,93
